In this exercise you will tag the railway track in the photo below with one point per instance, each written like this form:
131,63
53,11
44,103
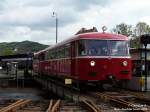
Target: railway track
15,105
66,106
140,96
115,101
53,106
123,101
82,106
90,106
47,106
92,102
5,102
35,106
22,105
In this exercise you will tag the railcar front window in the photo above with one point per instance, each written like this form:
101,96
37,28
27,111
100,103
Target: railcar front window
93,48
119,48
103,48
97,47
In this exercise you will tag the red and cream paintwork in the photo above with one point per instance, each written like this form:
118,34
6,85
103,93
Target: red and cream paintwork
86,68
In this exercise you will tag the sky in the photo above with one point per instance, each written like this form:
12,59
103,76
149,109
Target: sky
32,19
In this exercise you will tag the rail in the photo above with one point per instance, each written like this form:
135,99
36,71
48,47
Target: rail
140,96
53,106
14,106
90,106
119,101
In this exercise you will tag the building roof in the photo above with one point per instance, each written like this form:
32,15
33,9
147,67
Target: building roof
135,50
16,57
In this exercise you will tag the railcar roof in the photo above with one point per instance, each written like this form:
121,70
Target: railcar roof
91,35
97,35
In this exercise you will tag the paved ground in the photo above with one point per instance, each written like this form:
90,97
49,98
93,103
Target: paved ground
21,93
148,93
27,89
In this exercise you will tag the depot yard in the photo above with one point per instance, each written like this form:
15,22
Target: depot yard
35,97
27,86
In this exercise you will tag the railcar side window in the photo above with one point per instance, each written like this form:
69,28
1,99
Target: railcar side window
82,48
67,52
35,58
53,54
46,55
61,52
42,56
50,54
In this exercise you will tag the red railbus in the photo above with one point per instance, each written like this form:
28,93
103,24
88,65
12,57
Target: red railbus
89,57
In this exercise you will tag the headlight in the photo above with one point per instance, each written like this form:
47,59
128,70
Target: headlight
92,63
125,63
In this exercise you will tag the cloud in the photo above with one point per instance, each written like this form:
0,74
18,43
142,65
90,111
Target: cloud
36,17
145,19
32,20
127,11
81,5
20,33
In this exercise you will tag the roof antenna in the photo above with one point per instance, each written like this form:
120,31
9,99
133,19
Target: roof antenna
104,28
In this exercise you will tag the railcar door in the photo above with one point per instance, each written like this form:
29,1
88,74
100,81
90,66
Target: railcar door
73,60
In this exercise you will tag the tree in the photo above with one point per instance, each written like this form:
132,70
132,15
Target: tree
135,43
123,29
141,28
7,51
